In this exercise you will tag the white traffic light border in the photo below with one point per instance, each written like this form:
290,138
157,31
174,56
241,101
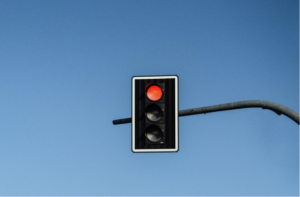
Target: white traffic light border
176,114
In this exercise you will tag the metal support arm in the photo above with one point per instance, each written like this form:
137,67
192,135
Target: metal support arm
278,109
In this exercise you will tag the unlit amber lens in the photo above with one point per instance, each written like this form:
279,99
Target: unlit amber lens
154,113
154,93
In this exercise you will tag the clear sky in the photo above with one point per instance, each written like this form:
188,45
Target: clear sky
65,74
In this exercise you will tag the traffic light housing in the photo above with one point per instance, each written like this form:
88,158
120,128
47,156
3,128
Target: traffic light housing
155,114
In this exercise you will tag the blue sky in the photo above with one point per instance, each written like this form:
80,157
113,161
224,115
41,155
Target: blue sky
65,74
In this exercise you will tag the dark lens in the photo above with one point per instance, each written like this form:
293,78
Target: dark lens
154,133
154,113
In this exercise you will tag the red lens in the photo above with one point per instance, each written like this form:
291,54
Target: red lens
154,93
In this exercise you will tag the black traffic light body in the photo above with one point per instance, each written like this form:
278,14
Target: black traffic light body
155,114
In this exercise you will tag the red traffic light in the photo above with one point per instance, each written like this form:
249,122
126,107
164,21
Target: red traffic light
154,114
154,92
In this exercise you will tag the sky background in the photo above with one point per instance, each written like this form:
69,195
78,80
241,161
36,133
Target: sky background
65,74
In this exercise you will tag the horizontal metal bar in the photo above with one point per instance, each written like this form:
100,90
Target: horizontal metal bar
122,121
279,109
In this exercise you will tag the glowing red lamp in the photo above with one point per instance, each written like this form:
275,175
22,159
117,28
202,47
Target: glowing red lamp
154,92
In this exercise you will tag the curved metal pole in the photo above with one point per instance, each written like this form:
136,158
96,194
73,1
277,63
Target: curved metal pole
279,109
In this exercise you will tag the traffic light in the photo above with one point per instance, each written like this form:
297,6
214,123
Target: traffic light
155,114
